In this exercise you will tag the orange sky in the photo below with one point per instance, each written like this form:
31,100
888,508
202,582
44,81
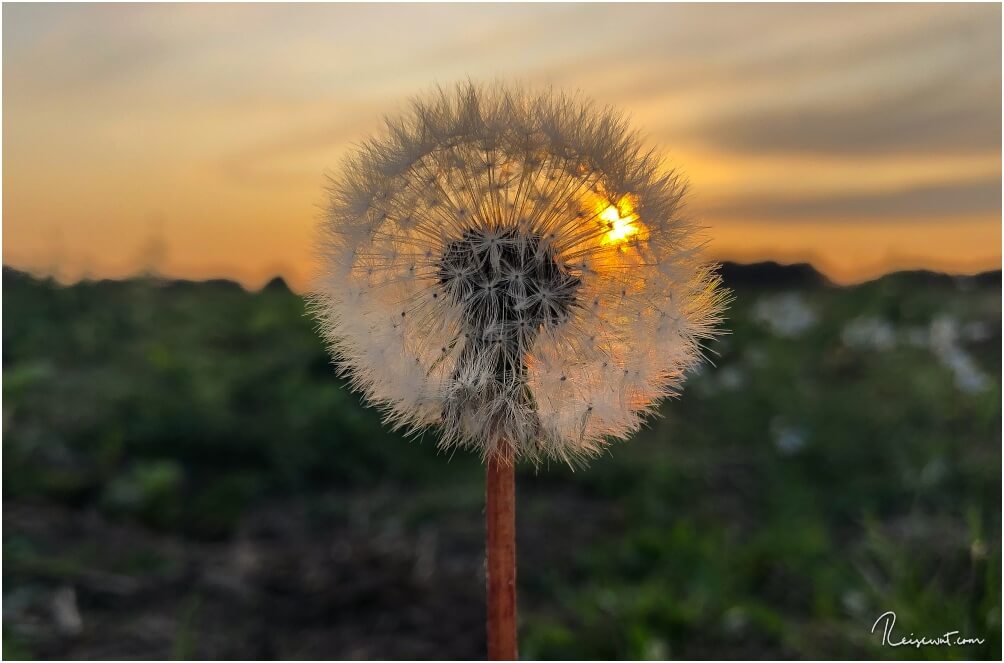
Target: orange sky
193,139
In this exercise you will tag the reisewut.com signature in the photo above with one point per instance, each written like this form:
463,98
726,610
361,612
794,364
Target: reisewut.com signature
946,639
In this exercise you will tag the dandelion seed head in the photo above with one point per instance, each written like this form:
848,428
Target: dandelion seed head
514,268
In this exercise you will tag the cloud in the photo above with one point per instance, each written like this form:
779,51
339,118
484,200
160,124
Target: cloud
944,116
935,201
844,80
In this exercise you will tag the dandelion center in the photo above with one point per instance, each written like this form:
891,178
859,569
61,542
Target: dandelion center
509,284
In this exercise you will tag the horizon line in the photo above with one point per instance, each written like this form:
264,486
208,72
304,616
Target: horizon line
154,275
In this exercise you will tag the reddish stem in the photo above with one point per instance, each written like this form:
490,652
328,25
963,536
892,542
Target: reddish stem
500,521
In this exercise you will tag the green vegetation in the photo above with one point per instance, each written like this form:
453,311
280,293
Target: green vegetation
184,476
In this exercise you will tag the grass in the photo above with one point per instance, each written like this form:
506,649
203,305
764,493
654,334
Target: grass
841,459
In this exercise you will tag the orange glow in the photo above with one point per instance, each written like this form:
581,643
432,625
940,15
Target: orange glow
620,220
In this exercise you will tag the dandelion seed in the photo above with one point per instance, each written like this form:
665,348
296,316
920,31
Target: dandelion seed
497,258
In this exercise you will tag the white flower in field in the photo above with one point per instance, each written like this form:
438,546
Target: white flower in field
516,269
868,332
944,342
787,314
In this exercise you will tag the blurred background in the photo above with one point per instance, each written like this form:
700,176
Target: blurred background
185,477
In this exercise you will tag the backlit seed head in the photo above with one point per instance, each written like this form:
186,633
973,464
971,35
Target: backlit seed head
513,268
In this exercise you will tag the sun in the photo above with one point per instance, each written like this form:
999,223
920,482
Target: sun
620,220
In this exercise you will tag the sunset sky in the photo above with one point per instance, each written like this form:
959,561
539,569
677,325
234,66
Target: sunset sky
193,140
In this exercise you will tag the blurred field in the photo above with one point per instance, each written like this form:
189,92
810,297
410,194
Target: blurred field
185,477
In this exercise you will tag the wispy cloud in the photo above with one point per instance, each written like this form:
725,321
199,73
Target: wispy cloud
945,202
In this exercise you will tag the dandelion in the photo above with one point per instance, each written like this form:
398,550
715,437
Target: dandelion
517,270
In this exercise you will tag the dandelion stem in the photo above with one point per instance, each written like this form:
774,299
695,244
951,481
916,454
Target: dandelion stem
500,522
